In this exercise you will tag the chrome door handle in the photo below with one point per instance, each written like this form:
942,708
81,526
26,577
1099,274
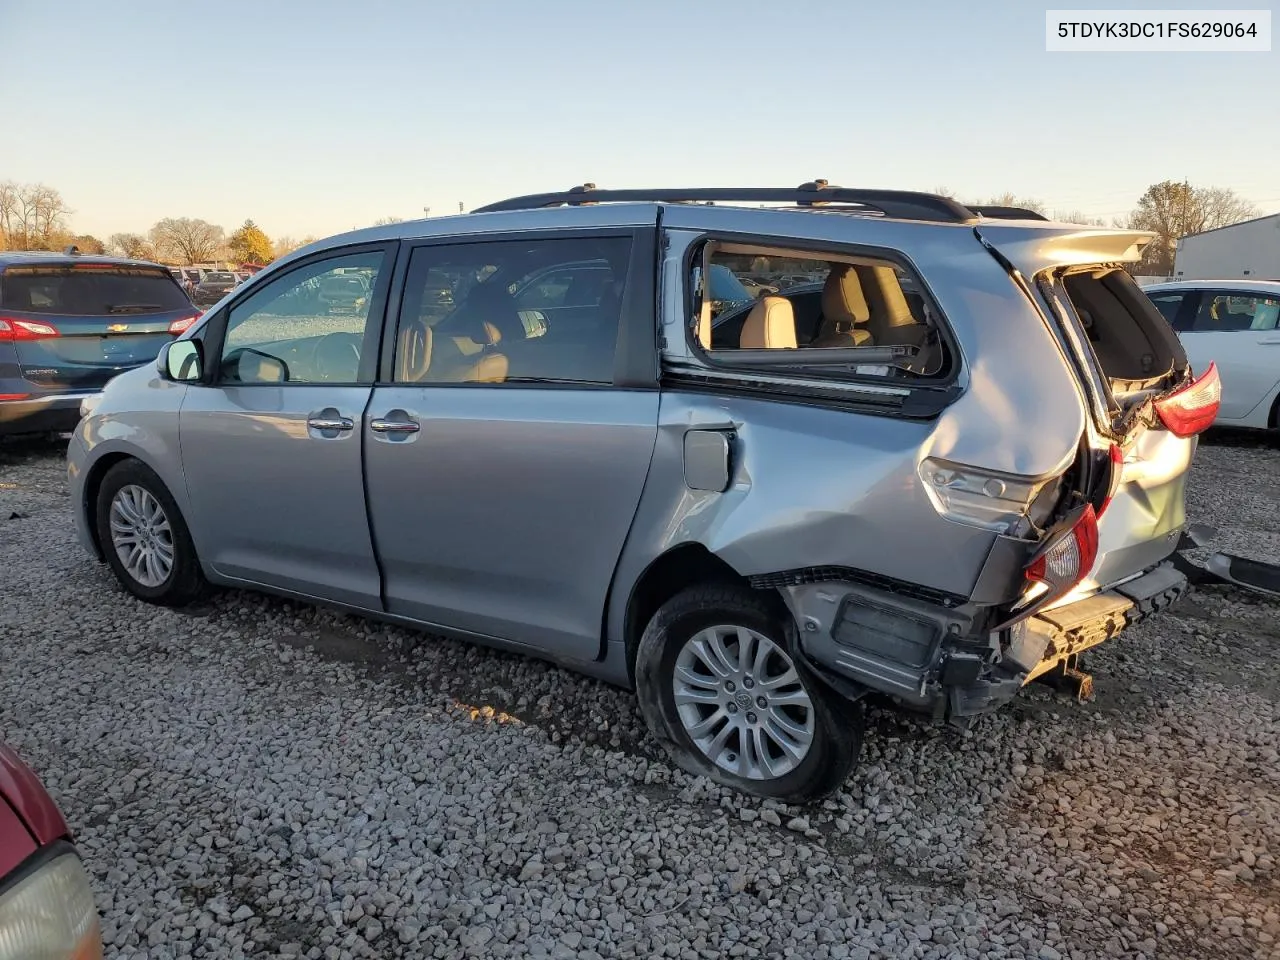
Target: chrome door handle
331,423
394,426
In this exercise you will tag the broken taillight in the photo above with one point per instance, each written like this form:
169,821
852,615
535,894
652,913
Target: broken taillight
1064,559
1067,559
1191,409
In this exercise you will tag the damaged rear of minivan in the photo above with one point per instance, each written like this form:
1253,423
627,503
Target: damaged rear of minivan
980,476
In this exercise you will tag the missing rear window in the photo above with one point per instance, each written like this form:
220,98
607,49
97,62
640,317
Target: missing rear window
829,314
1133,343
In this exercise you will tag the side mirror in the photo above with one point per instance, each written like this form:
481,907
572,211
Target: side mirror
181,361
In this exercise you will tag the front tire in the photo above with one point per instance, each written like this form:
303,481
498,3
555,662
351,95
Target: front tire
722,693
144,537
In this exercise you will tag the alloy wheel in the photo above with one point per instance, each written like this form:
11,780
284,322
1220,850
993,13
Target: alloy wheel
743,703
141,535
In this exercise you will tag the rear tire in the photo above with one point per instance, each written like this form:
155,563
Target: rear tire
719,689
145,539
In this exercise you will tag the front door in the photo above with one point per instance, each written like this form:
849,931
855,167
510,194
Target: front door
271,441
505,458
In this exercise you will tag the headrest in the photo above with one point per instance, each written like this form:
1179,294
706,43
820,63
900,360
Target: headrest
770,324
415,352
884,295
843,301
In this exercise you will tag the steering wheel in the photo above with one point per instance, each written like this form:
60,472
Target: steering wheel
337,357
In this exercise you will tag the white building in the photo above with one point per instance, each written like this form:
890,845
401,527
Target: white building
1243,250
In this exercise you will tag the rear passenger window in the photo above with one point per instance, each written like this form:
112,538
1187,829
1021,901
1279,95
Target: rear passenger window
1234,311
754,299
540,311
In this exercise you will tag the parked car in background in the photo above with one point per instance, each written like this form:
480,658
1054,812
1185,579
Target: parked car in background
69,323
755,287
46,901
345,292
756,526
215,285
1236,325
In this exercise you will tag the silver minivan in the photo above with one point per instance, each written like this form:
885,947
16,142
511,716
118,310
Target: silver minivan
945,465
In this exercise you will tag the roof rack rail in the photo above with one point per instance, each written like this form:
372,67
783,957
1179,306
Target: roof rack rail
1008,213
900,204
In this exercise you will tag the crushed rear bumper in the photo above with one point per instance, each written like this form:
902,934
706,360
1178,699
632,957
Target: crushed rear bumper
933,658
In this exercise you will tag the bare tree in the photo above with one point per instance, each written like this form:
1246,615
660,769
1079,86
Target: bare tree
33,216
387,221
186,240
1076,216
286,245
1173,210
8,212
132,245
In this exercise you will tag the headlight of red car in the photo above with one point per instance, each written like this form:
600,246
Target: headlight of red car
50,913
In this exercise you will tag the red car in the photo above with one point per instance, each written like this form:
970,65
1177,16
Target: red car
46,902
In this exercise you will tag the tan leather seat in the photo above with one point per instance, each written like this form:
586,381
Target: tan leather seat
423,358
891,322
771,324
844,310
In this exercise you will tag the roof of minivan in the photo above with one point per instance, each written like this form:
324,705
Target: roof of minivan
640,214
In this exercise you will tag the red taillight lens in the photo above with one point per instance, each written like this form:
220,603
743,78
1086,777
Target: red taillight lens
14,396
1070,557
12,328
1193,408
183,324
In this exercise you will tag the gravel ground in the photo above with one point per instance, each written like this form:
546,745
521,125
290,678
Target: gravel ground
257,778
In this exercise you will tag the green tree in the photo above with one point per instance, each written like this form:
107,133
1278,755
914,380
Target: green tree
250,245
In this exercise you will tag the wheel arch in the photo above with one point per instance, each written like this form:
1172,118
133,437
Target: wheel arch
94,477
681,567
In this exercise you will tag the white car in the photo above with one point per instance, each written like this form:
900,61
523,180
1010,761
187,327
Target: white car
1235,324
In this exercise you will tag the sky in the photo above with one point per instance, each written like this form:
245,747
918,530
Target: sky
317,117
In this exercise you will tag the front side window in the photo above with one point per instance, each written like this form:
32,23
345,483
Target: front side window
541,311
1168,304
306,326
1223,312
807,306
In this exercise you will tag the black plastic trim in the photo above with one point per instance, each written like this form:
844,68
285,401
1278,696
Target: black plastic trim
899,204
41,858
802,575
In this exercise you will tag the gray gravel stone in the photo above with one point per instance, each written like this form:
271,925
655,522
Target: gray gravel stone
256,777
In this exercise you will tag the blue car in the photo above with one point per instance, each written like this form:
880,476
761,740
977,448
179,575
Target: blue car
69,323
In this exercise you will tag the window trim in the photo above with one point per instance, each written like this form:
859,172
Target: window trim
853,382
635,361
215,332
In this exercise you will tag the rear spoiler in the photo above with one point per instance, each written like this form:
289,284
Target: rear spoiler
1035,248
